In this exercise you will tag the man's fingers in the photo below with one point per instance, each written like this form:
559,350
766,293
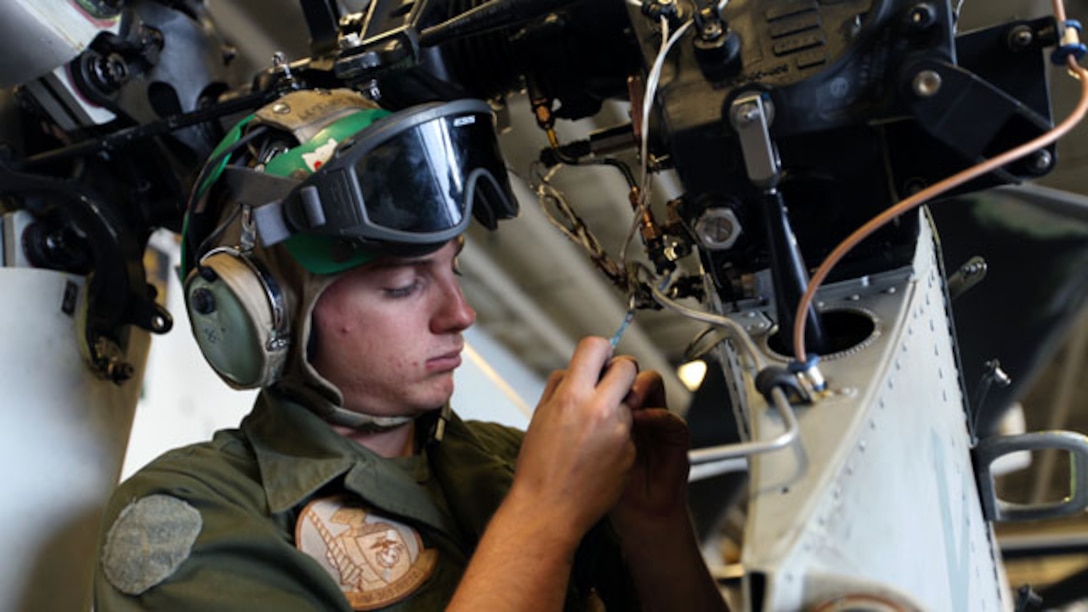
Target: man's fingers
553,382
661,425
617,379
588,360
647,391
592,371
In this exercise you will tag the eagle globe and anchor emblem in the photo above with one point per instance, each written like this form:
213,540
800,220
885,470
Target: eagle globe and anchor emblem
376,561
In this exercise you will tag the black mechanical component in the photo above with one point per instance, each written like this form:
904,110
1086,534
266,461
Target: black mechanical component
856,93
842,122
98,192
322,19
789,275
100,237
579,52
716,46
774,377
140,78
56,246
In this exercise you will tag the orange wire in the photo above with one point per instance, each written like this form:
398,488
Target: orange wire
933,191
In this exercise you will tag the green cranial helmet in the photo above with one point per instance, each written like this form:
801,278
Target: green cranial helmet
311,185
288,139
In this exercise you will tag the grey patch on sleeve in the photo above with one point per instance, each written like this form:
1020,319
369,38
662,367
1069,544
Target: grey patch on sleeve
149,540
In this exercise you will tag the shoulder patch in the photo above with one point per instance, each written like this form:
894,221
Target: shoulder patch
375,560
149,540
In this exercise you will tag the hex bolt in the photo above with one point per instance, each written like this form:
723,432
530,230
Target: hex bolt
718,228
110,72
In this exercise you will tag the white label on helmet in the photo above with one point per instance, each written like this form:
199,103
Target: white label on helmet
466,120
316,158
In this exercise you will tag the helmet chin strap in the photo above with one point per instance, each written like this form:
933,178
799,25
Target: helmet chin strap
369,423
366,422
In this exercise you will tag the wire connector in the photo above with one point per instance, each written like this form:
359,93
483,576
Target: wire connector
1069,44
810,371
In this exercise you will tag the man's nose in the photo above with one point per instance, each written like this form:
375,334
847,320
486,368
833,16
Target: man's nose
455,313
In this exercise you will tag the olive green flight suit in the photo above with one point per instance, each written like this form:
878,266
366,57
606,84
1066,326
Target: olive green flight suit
213,526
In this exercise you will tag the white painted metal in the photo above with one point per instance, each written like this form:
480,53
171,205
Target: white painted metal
62,437
878,497
40,35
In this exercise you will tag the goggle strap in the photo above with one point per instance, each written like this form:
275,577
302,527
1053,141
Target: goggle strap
262,192
254,187
271,228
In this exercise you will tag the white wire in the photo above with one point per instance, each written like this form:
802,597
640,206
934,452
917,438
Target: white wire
652,81
736,331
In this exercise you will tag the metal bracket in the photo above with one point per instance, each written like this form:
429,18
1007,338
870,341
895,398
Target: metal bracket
995,509
968,275
751,117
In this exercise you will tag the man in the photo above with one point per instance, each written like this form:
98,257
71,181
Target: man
352,485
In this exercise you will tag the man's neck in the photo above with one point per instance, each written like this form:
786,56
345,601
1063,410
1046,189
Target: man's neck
397,442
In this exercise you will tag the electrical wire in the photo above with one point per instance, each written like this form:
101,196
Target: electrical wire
652,81
736,330
933,191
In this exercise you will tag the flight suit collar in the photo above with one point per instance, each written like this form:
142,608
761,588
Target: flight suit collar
298,454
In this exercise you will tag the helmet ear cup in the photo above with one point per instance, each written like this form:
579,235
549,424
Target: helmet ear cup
238,317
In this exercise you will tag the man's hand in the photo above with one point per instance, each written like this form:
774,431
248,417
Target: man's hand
572,468
657,486
652,518
578,449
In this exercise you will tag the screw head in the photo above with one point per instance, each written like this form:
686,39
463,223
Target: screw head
1021,37
926,83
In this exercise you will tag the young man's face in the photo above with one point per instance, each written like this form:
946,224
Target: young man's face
389,333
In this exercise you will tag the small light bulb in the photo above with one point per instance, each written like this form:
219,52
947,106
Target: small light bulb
692,373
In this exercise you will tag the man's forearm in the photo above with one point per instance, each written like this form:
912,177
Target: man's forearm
523,562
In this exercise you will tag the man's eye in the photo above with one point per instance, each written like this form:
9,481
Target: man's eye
404,290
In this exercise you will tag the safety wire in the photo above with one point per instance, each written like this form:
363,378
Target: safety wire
552,201
1068,38
560,214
